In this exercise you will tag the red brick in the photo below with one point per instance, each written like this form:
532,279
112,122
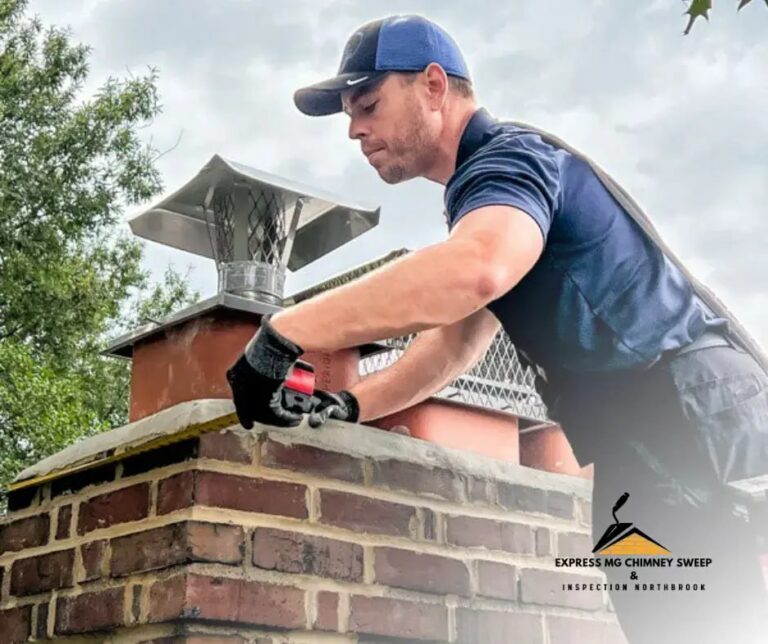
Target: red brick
433,482
41,628
495,535
327,614
24,533
176,492
397,618
365,514
496,627
148,550
530,499
98,611
215,542
311,460
424,572
225,446
573,544
167,599
42,573
305,554
127,504
568,630
227,600
260,603
251,494
546,587
63,521
93,555
16,624
175,544
496,580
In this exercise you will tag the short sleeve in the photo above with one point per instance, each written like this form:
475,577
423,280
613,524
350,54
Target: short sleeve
520,171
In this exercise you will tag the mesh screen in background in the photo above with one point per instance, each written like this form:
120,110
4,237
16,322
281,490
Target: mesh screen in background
498,381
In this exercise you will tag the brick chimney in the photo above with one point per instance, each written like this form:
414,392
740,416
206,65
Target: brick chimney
183,527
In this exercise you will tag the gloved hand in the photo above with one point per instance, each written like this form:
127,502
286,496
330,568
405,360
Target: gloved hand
258,376
341,406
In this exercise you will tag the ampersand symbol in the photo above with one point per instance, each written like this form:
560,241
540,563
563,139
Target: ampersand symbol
633,575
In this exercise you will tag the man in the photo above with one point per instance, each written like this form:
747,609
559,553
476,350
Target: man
647,381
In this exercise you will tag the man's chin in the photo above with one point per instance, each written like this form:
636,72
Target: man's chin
392,174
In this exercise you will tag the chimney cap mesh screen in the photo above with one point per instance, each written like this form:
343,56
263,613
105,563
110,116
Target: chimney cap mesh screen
498,381
251,240
266,225
223,244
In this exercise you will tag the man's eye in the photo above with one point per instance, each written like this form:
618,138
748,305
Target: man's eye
368,109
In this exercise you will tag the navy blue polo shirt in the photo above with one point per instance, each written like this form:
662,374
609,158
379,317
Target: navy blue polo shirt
602,297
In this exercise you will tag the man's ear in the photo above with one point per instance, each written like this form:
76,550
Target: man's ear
436,85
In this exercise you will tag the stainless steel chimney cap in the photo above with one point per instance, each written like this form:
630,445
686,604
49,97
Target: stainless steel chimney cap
326,222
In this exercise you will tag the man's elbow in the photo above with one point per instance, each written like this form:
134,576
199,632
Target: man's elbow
489,268
492,280
497,269
491,283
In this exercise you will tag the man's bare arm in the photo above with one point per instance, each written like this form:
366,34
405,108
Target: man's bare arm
489,251
434,359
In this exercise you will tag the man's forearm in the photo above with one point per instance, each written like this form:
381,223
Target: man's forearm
424,369
433,360
432,287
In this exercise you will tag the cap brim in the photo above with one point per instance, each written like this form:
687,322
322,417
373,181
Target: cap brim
324,98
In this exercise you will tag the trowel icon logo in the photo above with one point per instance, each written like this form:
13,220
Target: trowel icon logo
626,539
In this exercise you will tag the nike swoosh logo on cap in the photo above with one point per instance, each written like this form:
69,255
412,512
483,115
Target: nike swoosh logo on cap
356,81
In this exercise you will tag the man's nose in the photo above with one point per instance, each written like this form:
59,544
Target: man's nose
356,129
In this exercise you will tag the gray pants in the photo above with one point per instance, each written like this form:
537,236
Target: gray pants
673,437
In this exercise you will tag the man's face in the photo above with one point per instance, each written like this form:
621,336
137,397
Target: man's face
397,130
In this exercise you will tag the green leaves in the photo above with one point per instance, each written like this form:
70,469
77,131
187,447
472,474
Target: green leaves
41,411
699,8
70,279
696,9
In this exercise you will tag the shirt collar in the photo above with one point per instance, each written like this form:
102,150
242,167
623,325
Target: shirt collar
476,134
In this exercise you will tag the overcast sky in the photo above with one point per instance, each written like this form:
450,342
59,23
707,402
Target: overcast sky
680,121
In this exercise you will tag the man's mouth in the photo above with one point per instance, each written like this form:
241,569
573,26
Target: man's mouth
372,151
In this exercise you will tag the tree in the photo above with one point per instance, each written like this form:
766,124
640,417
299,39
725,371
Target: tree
701,8
69,165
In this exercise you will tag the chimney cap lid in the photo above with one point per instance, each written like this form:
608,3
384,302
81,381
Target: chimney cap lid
179,220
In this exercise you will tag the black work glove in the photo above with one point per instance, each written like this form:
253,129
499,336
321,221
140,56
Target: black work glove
258,376
341,406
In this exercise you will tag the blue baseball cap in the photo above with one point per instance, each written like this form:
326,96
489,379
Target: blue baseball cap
397,43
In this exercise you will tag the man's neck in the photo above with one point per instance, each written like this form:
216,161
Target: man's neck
456,120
